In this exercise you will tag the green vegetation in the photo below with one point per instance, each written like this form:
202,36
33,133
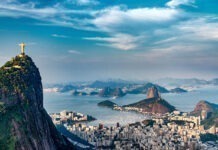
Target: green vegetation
5,131
6,135
107,103
212,120
17,81
2,107
15,84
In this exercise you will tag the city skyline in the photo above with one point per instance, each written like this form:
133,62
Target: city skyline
75,40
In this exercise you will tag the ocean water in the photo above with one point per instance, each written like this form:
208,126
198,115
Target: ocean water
56,102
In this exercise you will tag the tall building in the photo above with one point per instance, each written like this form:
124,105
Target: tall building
101,126
204,114
118,124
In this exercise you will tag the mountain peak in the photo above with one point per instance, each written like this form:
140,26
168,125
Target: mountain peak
19,81
153,103
153,92
206,106
25,123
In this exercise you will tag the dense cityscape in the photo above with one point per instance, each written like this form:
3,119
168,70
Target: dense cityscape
175,130
170,131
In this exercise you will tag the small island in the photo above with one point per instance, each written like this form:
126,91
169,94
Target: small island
107,103
178,90
76,93
111,92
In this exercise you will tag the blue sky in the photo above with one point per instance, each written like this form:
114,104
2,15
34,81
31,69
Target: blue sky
75,40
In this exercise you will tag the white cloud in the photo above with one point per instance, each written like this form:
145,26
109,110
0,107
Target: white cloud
74,52
59,36
106,20
203,29
116,17
176,3
83,2
53,14
124,27
174,52
120,41
127,27
171,39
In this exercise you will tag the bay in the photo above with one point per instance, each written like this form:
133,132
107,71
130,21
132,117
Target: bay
56,102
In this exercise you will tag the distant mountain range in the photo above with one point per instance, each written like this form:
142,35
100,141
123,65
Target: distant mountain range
118,83
185,82
143,89
165,85
110,83
111,89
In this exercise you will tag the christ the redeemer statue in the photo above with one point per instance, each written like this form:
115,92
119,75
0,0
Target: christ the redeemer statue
22,48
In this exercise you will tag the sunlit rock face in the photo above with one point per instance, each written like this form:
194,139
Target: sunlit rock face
153,93
24,123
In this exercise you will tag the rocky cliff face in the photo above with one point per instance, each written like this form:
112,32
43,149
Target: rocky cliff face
212,113
153,93
24,123
206,106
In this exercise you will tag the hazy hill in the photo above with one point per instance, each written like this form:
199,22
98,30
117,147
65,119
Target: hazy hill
111,92
110,83
143,89
214,81
205,105
211,110
178,90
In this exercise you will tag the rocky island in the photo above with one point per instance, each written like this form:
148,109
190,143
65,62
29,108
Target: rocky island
107,103
111,92
178,90
76,93
153,103
25,123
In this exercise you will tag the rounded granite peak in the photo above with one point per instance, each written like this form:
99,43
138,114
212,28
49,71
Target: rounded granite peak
153,92
20,82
